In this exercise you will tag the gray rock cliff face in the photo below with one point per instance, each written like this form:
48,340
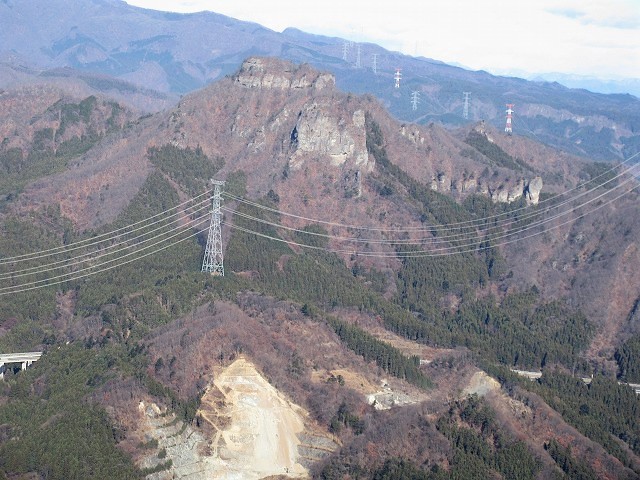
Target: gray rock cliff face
532,190
262,73
502,193
342,139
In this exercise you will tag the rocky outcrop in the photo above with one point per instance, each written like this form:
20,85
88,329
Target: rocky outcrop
502,193
532,191
277,74
342,139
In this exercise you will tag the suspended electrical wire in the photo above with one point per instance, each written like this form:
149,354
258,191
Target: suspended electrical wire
70,262
441,238
457,247
430,253
110,236
448,250
72,275
19,288
448,226
426,253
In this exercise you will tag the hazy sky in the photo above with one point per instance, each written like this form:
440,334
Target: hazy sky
586,37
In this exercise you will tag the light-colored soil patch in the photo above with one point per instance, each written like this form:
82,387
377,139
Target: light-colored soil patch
424,352
261,436
251,432
351,379
481,384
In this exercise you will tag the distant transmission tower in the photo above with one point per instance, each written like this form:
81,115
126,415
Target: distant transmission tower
415,100
465,110
507,127
345,50
397,77
375,64
358,57
213,261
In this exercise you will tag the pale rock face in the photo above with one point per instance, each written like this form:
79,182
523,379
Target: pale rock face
469,185
500,196
444,184
413,135
325,80
532,191
341,140
254,73
516,191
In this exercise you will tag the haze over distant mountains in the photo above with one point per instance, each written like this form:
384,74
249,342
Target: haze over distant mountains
177,53
384,276
592,83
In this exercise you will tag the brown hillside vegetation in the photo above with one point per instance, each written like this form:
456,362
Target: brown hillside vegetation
207,349
348,359
251,119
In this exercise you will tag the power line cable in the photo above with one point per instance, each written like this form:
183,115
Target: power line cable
440,238
449,226
79,244
69,262
504,235
20,290
436,252
71,274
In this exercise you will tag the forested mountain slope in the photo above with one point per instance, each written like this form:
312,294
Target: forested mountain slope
363,257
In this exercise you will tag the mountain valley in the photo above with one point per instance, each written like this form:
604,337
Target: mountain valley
385,280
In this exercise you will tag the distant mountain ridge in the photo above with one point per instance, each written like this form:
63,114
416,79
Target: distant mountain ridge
382,193
594,84
179,53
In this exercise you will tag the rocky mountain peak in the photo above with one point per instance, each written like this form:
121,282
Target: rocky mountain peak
275,73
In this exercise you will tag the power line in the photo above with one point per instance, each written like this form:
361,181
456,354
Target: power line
70,262
449,226
83,243
432,253
73,275
464,236
19,288
424,253
440,240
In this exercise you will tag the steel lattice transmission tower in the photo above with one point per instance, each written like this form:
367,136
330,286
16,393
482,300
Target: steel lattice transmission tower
415,100
397,77
213,261
509,112
465,110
